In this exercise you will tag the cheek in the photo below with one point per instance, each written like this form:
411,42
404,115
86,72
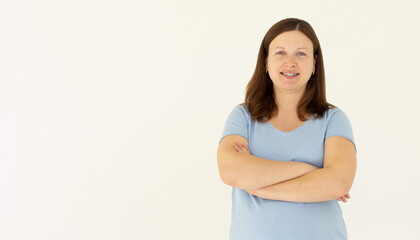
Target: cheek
308,66
274,63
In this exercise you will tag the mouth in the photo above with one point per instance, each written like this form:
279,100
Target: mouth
289,74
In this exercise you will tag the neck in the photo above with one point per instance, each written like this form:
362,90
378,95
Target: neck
287,103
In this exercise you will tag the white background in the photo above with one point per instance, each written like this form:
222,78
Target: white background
111,112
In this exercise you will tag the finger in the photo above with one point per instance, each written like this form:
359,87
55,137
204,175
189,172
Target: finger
245,148
237,148
239,145
242,148
347,195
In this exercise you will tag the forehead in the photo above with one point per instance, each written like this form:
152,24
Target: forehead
291,40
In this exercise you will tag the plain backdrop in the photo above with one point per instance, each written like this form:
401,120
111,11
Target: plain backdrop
111,112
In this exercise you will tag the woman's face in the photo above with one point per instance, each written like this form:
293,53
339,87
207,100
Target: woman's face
290,52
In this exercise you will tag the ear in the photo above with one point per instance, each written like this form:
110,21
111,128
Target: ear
316,56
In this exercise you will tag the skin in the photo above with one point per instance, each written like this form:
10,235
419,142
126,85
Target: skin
250,172
290,51
241,148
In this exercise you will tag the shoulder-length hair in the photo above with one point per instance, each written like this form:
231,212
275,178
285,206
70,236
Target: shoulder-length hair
260,97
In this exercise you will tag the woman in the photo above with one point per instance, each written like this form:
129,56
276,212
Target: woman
288,154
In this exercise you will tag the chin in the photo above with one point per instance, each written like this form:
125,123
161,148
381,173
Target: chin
292,87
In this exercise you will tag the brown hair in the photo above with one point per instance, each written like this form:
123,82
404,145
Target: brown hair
260,98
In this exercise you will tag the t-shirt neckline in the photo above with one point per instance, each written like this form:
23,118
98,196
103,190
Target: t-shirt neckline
294,130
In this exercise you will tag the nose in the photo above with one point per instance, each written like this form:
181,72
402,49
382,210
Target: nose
289,62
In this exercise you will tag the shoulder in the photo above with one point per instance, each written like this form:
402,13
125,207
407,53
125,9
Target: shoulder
243,107
338,124
334,113
237,123
242,110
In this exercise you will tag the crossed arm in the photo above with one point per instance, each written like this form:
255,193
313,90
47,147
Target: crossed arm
289,181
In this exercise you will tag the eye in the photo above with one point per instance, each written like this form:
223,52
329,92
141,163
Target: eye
303,54
281,52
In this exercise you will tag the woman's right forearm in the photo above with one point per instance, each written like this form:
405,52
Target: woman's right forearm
249,172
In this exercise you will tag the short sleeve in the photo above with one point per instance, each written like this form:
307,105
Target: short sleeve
338,124
237,123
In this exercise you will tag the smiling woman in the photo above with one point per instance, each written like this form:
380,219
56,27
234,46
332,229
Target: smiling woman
290,65
288,154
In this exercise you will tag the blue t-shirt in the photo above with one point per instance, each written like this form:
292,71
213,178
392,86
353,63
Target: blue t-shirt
255,218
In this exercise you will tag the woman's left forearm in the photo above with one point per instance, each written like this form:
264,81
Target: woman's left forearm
320,185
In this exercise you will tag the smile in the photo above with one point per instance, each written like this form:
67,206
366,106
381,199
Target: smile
290,74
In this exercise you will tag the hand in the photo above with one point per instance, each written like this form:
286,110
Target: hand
241,148
343,198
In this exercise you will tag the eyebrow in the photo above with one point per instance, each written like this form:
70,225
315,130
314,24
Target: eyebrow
296,48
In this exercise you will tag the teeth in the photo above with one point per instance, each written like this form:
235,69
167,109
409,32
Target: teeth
290,74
